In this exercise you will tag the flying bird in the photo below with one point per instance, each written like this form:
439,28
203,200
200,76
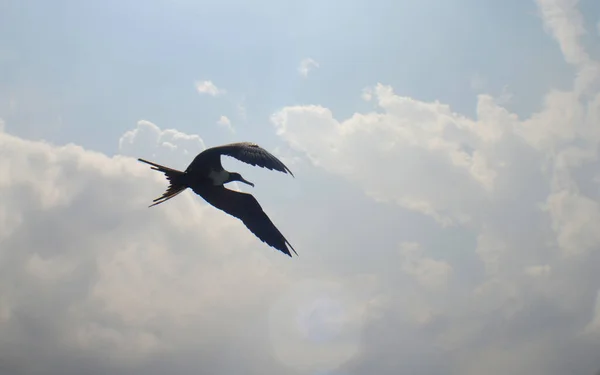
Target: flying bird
206,176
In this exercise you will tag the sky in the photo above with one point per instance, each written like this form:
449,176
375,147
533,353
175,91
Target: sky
445,204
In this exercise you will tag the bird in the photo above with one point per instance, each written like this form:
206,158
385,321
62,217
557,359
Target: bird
206,177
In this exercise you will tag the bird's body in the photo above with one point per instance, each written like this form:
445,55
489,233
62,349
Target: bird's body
206,176
218,177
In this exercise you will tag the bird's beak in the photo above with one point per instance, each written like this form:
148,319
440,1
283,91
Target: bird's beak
246,182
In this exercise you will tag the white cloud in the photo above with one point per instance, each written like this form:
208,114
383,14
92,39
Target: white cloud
406,138
565,23
497,270
522,189
171,146
208,87
306,65
575,221
225,122
90,278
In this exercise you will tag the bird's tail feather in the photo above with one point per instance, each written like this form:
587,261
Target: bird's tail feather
176,186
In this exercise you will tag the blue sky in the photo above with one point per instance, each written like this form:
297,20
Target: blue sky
89,70
445,204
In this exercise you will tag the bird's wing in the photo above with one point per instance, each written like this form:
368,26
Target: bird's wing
252,154
246,208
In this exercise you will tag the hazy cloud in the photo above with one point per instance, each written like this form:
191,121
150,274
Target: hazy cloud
565,23
306,65
207,87
225,122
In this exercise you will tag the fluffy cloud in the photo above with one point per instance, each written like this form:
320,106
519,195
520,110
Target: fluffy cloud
386,153
147,140
208,87
524,189
91,280
497,272
306,65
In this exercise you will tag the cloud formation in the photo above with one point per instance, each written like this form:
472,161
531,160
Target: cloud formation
209,88
500,275
306,65
171,146
524,189
93,281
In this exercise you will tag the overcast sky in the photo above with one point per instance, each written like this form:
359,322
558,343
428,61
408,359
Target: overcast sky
446,205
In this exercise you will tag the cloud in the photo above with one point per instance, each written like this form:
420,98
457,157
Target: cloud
433,243
523,190
225,122
91,280
565,23
171,146
87,268
415,134
306,65
207,87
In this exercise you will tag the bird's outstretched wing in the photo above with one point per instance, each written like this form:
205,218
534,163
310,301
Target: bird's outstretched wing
250,153
246,208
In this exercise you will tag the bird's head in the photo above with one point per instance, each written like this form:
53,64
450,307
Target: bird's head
238,177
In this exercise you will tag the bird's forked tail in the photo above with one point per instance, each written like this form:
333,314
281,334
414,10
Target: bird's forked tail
175,177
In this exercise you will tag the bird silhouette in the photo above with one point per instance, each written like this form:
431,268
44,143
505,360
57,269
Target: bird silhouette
206,176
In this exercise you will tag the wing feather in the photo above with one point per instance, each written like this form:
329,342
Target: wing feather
252,154
246,208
